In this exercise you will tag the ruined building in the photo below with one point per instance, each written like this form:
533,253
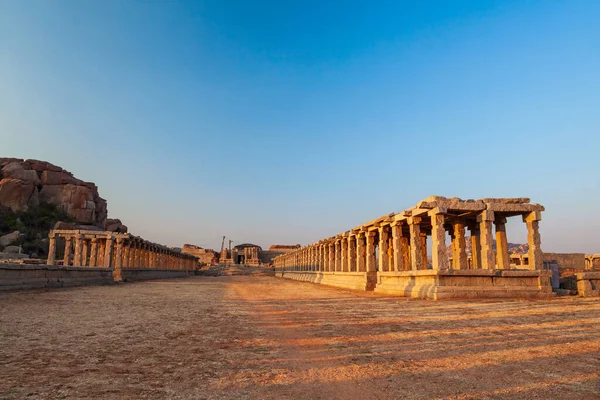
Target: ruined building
389,254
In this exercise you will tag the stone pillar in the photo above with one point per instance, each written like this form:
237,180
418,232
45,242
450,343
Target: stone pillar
108,251
68,251
416,244
406,253
439,257
396,247
94,252
361,252
78,250
351,249
485,220
371,258
459,246
338,255
117,268
344,254
51,249
85,252
126,249
383,247
101,251
321,263
332,257
137,256
475,246
424,262
503,258
536,260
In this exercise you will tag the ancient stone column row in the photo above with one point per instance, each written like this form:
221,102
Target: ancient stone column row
399,243
109,250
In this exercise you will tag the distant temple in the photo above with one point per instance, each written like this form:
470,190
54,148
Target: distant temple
251,254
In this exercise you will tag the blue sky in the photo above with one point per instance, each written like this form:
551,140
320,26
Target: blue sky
287,122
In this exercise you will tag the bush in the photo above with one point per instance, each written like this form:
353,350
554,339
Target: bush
35,224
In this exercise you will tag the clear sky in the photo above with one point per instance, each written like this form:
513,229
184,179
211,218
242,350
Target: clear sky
290,121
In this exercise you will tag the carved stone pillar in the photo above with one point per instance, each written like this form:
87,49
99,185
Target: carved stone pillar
101,251
338,255
85,252
68,251
51,249
383,248
78,250
485,220
503,258
398,257
361,252
475,246
459,246
416,245
117,268
439,257
351,256
126,249
371,258
94,252
536,260
108,251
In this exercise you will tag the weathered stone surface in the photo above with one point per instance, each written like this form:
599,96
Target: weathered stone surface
15,170
59,178
29,182
77,201
9,239
12,249
41,166
15,194
115,225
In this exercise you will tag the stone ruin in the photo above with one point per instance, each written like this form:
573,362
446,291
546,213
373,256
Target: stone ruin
390,254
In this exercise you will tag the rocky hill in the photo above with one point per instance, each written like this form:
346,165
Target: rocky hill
35,195
25,183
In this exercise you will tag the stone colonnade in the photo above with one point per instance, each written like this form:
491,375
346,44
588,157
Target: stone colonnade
399,242
115,250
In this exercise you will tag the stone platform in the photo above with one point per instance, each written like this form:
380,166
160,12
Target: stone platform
465,284
23,277
588,283
430,284
346,280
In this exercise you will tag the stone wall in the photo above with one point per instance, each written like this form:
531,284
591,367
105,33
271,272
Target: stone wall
20,277
566,260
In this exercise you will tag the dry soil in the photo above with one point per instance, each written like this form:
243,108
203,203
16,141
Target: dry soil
244,337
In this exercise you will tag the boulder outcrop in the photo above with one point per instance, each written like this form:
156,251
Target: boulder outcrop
25,183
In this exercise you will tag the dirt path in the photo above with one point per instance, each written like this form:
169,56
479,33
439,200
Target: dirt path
265,338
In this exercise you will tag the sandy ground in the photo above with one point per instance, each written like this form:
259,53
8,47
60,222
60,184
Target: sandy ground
266,338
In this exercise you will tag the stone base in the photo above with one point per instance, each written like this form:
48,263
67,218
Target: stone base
347,280
447,284
21,277
588,283
429,284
